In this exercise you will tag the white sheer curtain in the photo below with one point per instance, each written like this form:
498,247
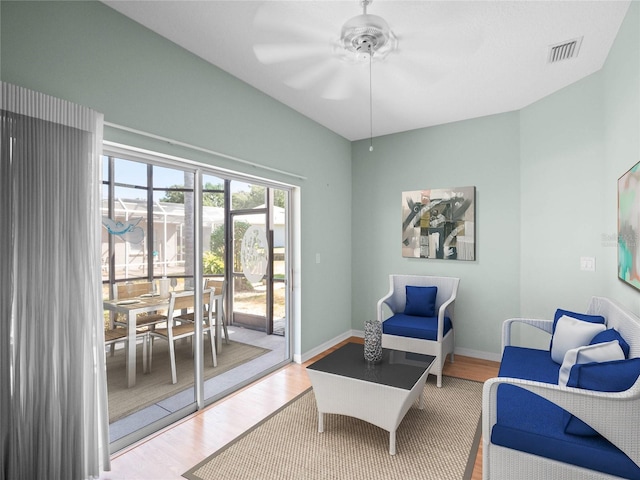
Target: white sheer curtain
53,401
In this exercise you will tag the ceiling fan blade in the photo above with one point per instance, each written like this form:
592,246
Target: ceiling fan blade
270,53
338,80
303,20
407,71
343,83
310,76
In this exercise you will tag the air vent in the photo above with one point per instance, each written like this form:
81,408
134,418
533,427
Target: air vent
564,50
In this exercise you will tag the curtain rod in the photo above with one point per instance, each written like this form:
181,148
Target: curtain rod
205,150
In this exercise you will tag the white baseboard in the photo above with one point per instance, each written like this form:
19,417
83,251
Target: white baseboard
494,357
326,345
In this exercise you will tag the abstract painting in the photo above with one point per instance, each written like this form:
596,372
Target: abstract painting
629,226
439,223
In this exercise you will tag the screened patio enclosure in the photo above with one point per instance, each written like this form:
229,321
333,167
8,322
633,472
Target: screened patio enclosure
169,221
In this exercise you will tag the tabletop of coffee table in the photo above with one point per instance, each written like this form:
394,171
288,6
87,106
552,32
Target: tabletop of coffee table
396,369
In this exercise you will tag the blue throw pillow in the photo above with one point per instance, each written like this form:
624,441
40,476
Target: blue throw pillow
616,376
609,335
421,301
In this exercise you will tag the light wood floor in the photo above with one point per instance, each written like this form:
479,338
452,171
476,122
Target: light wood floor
166,455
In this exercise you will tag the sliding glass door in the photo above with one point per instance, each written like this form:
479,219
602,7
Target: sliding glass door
156,213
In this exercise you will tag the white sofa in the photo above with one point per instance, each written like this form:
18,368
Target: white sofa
614,415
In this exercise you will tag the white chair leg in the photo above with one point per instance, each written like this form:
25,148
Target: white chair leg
150,354
214,356
224,327
145,360
172,354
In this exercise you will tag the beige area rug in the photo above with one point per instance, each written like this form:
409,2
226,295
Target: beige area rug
156,386
439,442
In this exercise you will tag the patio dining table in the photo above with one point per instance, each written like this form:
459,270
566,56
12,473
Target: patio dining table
131,307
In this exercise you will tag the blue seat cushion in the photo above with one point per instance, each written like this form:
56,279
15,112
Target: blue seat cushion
404,325
531,424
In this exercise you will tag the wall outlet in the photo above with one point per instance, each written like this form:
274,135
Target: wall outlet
588,264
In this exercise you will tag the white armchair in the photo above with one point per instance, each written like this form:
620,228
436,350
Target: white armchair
435,336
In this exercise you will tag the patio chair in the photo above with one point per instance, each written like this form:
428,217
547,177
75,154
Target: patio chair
423,321
220,288
115,335
148,321
220,291
178,328
123,291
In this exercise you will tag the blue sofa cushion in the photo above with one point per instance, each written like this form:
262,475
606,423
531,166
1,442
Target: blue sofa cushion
531,424
404,325
597,353
609,335
615,376
420,301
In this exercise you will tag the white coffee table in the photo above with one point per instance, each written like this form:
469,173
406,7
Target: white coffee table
381,394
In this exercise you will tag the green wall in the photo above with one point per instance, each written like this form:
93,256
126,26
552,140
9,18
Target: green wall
545,175
481,152
87,53
561,158
546,196
621,140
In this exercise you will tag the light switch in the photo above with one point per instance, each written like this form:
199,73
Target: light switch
317,258
588,264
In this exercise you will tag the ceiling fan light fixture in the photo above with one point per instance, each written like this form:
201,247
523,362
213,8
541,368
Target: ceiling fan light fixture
365,35
366,31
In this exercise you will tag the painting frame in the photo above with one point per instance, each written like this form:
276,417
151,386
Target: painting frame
439,223
629,227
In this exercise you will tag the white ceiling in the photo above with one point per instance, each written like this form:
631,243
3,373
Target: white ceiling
454,60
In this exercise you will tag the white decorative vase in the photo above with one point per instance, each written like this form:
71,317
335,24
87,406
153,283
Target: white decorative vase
372,341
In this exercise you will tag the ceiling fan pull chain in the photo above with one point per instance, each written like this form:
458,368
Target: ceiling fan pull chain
370,103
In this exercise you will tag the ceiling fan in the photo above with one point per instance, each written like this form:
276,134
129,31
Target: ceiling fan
308,50
322,55
305,41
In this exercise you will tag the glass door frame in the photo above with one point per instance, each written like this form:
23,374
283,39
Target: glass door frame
233,275
269,277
